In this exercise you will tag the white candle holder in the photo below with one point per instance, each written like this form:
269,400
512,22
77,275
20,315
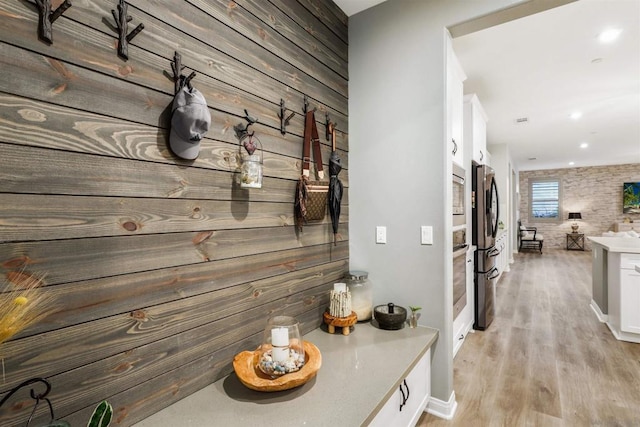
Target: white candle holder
282,350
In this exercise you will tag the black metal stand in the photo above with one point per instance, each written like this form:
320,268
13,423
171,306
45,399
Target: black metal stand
37,397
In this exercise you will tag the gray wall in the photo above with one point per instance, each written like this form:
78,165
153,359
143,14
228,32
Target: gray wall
399,168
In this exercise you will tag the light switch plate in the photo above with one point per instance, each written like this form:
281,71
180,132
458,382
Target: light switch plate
381,234
426,235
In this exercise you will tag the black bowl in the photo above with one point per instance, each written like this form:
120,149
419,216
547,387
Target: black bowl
390,317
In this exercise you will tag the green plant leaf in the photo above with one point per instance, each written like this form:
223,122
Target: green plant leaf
101,416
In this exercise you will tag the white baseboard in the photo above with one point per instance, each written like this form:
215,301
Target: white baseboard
623,336
603,318
442,409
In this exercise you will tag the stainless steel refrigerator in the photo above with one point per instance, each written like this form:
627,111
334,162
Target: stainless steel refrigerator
485,214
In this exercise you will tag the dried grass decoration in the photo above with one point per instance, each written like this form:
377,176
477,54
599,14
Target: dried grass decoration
23,302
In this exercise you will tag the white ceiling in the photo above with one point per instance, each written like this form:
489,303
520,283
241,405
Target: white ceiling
548,65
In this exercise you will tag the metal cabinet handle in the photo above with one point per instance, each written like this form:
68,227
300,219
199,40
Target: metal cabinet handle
455,147
404,398
481,155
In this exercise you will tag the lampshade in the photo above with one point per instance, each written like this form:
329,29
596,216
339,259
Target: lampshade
575,215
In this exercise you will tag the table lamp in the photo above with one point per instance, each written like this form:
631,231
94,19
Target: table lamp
575,216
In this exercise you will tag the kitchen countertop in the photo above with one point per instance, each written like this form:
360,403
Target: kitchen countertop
618,244
359,373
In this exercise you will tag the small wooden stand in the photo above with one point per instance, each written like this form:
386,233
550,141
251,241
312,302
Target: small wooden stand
342,322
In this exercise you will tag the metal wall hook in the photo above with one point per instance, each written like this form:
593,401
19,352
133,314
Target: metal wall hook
179,80
284,122
122,23
329,127
306,105
242,130
37,397
48,17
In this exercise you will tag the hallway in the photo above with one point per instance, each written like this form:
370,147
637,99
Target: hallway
545,360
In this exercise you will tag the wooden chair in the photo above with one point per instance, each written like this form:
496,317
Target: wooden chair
529,238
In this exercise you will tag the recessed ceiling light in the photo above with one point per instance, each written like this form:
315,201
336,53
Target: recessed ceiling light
572,163
584,145
576,115
607,36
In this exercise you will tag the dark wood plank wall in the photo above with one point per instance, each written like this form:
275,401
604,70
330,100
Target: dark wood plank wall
163,269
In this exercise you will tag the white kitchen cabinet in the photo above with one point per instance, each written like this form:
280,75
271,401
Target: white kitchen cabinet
630,294
455,100
475,128
624,296
502,259
406,404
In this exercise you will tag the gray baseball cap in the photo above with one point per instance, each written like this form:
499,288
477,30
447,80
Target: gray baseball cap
190,121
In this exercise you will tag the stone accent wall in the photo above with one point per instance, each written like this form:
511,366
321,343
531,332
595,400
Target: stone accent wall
596,192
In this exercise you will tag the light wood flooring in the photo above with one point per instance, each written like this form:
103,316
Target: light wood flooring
545,360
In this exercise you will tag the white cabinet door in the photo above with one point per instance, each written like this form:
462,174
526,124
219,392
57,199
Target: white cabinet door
630,301
475,128
455,77
407,403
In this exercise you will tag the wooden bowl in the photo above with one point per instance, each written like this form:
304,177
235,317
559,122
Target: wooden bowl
246,366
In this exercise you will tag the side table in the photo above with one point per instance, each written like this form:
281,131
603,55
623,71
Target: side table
575,241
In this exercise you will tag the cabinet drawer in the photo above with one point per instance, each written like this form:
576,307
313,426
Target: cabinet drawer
629,261
407,403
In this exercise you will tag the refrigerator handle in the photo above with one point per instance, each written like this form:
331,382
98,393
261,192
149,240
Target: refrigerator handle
494,252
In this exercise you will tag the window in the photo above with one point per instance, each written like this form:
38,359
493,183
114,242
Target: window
544,200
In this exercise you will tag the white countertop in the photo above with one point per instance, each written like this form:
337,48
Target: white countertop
618,244
359,373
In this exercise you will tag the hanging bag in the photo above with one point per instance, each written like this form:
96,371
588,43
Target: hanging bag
311,195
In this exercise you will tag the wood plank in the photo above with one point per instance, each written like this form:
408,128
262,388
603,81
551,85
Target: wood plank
313,26
127,369
230,86
149,397
280,22
108,296
567,370
40,77
333,74
40,171
26,217
61,350
25,121
82,259
189,19
325,11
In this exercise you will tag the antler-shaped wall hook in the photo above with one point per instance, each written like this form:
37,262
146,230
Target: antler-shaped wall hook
284,122
242,130
306,105
122,23
329,126
179,80
47,18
